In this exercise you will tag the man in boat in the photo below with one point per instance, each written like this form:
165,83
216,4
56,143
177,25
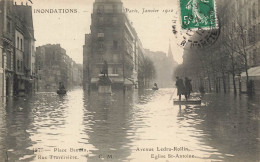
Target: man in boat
180,88
61,86
155,87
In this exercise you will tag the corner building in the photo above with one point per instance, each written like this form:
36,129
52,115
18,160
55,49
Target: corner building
112,39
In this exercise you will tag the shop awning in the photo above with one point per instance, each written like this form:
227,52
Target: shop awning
252,72
128,82
94,80
117,80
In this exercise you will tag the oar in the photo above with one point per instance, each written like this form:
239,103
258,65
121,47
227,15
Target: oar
172,94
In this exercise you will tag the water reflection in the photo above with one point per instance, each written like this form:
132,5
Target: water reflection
116,127
106,120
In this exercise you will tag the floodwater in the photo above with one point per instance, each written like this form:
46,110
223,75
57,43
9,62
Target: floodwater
136,126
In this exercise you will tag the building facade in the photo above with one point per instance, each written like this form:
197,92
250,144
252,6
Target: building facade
114,40
245,17
24,58
7,46
54,66
17,49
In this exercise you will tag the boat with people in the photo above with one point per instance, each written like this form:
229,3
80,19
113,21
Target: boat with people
155,87
62,90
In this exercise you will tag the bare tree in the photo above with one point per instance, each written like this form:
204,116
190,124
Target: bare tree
147,71
241,45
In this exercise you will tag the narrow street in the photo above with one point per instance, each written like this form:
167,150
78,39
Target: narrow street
138,125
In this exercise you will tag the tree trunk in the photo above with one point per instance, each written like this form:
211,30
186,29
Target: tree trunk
247,77
216,84
228,82
234,82
209,81
233,74
246,66
224,82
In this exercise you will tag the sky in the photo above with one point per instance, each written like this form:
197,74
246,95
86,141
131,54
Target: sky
154,29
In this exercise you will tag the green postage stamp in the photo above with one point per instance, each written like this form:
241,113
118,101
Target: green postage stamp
197,14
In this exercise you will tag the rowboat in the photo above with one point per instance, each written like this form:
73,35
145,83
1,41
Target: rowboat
61,91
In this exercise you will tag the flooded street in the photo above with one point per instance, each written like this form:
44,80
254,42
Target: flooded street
137,126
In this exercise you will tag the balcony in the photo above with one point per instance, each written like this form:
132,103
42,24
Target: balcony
8,36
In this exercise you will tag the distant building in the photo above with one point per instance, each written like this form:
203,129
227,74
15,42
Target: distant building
77,75
112,39
164,65
54,66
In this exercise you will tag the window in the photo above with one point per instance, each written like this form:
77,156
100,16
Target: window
8,26
21,44
115,70
21,65
115,20
8,55
18,65
101,35
100,20
18,42
101,45
115,44
254,11
249,15
100,9
108,9
259,7
115,8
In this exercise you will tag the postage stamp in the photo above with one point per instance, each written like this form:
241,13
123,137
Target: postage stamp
197,14
195,25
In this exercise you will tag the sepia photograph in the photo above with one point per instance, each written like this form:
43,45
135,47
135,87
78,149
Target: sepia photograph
129,80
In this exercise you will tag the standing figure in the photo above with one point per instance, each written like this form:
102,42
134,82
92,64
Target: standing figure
188,87
61,86
105,69
180,87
